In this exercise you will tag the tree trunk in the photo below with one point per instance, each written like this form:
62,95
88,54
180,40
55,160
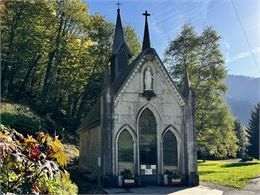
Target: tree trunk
51,56
34,62
5,69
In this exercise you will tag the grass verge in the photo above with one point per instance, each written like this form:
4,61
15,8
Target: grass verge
235,174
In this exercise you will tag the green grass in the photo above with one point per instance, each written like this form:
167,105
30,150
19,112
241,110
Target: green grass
235,174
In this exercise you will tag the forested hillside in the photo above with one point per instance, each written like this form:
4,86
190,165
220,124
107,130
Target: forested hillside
54,54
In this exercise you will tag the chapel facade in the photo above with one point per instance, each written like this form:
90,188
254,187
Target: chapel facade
141,121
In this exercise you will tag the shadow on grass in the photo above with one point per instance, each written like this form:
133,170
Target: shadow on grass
240,164
207,164
206,172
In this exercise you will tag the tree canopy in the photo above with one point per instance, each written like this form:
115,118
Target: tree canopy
54,54
201,56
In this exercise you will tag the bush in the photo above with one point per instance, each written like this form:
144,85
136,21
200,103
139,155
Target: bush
127,174
246,158
25,124
173,174
31,165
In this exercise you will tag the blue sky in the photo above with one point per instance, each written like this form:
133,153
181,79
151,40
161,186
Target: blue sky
168,16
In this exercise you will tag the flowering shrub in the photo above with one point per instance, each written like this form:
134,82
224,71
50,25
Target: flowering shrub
29,165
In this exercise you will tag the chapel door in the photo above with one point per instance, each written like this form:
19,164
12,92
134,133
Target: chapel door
148,148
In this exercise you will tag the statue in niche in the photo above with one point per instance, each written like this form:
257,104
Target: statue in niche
148,80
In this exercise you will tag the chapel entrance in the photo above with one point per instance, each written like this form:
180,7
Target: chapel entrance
148,148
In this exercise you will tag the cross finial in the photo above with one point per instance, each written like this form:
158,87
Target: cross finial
146,14
118,4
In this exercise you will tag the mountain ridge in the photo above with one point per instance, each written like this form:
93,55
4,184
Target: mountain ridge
242,95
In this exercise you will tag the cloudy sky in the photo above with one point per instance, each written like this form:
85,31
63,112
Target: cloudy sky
168,16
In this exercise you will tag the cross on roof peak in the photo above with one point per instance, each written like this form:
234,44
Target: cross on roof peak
118,4
146,13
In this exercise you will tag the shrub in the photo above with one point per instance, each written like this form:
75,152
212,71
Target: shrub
127,174
173,174
246,158
25,124
31,165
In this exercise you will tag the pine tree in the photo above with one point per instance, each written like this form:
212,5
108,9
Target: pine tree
253,148
242,136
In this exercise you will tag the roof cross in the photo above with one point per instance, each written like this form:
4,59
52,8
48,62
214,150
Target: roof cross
118,4
146,14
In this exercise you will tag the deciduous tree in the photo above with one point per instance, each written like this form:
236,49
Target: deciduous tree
201,56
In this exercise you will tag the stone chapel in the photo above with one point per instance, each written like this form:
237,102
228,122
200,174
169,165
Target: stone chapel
141,120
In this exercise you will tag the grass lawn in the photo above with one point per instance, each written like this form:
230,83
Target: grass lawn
235,174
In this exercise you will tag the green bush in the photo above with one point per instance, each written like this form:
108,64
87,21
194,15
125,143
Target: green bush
173,174
24,124
127,174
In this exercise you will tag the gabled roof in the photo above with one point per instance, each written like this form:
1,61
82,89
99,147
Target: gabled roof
124,77
124,74
94,116
92,119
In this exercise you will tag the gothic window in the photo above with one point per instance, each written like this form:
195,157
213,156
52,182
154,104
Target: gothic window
125,151
148,138
170,151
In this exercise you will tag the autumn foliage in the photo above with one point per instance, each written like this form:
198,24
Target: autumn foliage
31,165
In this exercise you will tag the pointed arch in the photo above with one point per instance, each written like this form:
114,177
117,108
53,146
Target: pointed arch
153,110
125,149
147,138
172,149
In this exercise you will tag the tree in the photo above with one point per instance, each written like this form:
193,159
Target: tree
254,128
54,54
201,56
242,136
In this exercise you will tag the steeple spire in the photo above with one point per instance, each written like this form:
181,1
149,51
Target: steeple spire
146,39
119,35
120,51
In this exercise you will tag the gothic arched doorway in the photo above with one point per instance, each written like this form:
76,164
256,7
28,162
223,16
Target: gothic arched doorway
148,148
170,152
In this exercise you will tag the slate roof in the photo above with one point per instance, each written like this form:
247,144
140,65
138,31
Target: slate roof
93,117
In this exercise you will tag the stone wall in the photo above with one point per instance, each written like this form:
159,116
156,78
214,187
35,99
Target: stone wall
90,147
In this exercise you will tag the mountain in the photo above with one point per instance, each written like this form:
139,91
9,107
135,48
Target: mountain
242,95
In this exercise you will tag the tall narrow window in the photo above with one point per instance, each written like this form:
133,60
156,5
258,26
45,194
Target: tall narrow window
170,151
125,151
148,142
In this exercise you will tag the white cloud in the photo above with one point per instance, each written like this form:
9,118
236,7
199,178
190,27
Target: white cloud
242,55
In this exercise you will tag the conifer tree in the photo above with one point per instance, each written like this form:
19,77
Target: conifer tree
242,136
253,148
